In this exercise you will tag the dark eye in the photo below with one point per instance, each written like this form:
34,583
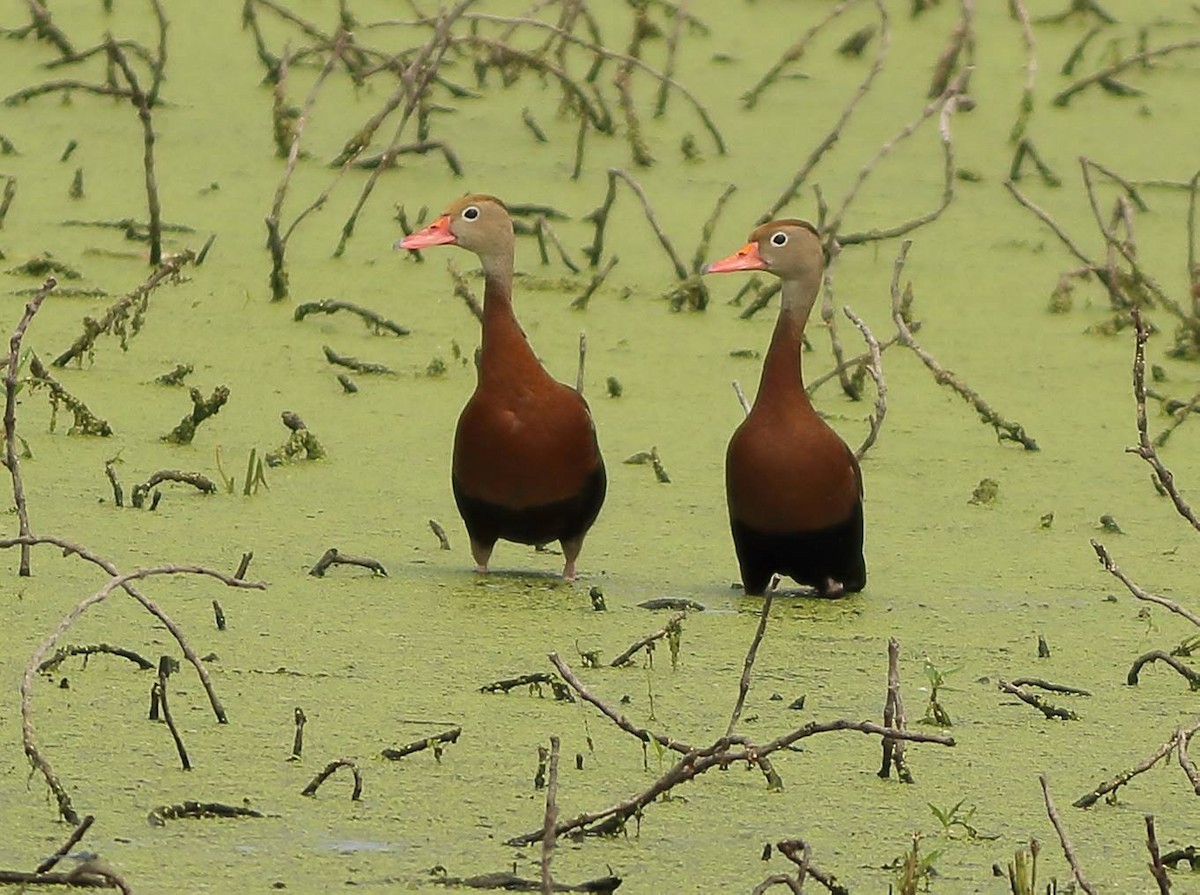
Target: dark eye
779,239
470,213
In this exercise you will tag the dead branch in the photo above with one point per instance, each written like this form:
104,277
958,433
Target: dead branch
158,701
327,772
696,761
117,318
1178,740
1113,569
599,217
1064,97
1025,107
332,557
671,628
1046,685
65,849
1050,711
827,143
748,663
85,422
463,290
191,810
11,455
1145,448
948,104
548,836
581,301
791,54
414,84
353,363
436,742
65,652
1068,851
1191,676
276,241
893,716
602,52
117,580
1004,429
642,733
374,321
875,369
141,102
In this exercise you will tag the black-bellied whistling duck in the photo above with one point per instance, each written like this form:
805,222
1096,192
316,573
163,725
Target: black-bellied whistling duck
793,486
527,467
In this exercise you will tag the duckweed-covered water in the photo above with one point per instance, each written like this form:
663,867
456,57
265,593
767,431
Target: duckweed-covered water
377,662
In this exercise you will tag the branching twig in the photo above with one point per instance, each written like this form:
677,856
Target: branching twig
1004,429
11,454
1104,74
835,133
1145,448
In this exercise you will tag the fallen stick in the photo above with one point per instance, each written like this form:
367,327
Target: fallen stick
1005,430
332,557
1068,851
374,321
327,772
435,742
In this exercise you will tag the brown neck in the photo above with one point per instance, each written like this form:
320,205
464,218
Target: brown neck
782,379
505,354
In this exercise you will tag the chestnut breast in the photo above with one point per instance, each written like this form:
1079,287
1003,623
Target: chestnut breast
789,472
525,445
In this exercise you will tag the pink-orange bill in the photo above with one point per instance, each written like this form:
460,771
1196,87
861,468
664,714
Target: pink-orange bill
745,258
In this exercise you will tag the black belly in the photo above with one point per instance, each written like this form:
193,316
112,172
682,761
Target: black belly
562,520
809,557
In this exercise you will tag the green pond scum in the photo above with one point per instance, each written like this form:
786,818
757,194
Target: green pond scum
969,587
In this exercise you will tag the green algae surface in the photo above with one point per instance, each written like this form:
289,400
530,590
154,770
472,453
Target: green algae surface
376,662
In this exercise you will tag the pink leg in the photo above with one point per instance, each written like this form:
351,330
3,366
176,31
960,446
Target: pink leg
570,551
481,553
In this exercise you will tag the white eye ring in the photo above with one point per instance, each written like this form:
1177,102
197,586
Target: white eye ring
779,239
471,212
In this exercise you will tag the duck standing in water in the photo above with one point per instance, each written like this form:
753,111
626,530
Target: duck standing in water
527,466
793,486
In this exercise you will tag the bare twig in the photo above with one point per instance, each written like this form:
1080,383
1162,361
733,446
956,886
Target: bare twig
65,848
1005,430
875,369
327,772
801,175
1025,108
793,53
1157,870
142,103
1104,74
117,315
548,836
672,626
124,582
1145,448
1113,569
1068,851
948,104
893,716
436,742
11,454
1178,740
1050,711
748,663
374,321
332,557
